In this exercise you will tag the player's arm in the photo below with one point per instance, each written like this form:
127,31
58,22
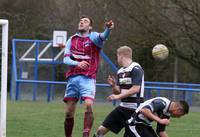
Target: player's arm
131,91
67,55
163,134
69,61
99,38
109,25
156,105
160,129
148,114
137,74
112,82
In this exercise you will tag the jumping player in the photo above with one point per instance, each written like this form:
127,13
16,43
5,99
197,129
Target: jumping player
82,54
158,109
129,89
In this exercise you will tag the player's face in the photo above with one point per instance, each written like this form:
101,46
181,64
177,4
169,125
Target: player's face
84,25
177,113
119,59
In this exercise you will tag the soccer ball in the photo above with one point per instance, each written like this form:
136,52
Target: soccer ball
160,52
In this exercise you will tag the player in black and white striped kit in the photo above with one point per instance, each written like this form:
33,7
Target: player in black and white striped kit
158,109
129,89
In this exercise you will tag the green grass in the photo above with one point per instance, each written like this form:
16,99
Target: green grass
41,119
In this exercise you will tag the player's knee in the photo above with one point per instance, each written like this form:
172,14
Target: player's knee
88,106
101,131
88,102
69,114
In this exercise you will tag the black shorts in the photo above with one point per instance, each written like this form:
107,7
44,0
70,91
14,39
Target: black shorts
140,130
116,120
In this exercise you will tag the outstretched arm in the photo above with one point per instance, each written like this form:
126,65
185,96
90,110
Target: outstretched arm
109,25
99,38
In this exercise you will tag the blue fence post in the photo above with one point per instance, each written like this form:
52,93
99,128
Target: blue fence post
15,69
35,70
158,92
48,92
11,80
20,77
148,93
54,78
189,99
53,74
17,91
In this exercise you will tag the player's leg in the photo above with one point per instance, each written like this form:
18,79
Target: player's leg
88,117
87,89
127,113
140,130
69,117
113,122
70,98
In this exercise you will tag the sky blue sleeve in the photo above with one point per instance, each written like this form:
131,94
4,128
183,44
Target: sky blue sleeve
67,60
99,38
105,34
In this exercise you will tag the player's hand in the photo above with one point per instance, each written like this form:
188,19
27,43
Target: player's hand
111,80
110,24
164,121
83,64
112,97
61,45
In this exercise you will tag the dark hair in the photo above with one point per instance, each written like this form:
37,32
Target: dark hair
184,106
85,16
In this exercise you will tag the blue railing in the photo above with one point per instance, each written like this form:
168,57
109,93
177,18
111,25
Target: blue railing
16,70
149,86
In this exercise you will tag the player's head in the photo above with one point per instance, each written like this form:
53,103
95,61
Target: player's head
85,24
123,52
180,108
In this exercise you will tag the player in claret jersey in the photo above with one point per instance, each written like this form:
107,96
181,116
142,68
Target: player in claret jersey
82,55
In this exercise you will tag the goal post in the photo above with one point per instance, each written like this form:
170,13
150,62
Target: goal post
4,70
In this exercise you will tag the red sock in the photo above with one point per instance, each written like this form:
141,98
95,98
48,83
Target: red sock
68,125
88,121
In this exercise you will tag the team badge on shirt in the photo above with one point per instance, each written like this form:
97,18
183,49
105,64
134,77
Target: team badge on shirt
87,43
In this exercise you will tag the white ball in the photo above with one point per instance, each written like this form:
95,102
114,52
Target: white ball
160,52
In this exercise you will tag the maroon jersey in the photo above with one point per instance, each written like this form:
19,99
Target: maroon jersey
83,48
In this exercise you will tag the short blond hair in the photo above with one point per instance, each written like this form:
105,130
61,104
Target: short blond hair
126,51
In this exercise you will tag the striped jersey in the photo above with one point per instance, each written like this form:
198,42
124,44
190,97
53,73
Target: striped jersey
128,77
158,106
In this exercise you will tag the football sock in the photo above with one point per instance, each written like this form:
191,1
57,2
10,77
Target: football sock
68,125
88,121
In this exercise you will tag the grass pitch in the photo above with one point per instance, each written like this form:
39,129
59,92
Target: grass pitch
41,119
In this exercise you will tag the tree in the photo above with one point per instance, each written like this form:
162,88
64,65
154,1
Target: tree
174,22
